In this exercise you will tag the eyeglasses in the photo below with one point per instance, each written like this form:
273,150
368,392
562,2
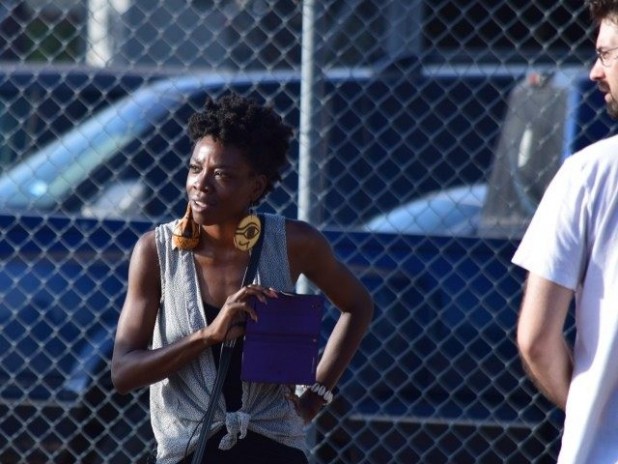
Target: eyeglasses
603,55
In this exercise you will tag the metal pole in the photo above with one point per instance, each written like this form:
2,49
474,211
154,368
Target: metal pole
99,52
306,135
102,15
306,142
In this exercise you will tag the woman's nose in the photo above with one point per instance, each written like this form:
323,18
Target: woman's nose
200,182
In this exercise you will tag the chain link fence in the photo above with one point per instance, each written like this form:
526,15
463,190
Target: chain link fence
426,134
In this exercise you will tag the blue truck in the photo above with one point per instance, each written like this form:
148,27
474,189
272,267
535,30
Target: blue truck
438,372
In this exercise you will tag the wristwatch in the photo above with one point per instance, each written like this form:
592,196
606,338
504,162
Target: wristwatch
322,392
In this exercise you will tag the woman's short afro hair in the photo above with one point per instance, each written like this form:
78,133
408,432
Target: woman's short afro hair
257,130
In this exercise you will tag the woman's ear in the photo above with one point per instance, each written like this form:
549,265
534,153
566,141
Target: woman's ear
259,187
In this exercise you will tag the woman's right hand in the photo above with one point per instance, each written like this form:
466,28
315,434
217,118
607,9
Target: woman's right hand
230,322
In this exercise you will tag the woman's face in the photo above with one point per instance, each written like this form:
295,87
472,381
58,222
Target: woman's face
221,184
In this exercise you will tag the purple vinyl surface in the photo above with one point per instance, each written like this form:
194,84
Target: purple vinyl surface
282,346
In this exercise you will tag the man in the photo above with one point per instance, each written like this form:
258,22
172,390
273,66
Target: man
571,250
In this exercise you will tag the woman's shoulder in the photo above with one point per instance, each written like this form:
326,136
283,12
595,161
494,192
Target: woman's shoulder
301,233
300,227
278,225
162,232
147,240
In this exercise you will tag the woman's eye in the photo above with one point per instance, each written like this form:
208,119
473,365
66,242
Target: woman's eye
194,168
221,174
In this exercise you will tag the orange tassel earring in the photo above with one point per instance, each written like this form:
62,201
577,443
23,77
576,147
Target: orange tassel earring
186,234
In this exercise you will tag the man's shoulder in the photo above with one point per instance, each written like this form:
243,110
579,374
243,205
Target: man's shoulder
601,156
604,149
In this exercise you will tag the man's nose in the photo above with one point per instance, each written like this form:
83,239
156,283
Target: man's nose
596,72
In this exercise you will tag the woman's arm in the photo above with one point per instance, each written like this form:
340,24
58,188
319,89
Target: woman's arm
134,365
312,255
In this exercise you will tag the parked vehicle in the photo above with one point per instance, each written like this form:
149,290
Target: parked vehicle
65,209
138,144
548,118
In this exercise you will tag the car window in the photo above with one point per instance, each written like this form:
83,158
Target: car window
8,124
142,138
450,212
41,181
118,200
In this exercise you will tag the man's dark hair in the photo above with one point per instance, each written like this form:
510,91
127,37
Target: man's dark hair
602,9
257,130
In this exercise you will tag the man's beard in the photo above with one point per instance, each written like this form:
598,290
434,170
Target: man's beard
612,108
612,105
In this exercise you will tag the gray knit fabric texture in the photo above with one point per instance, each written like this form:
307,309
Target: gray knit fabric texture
178,403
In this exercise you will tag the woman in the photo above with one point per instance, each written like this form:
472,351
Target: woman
185,298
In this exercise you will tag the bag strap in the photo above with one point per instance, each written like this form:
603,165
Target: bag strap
226,353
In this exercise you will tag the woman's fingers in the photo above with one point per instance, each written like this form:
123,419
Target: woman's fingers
239,302
259,292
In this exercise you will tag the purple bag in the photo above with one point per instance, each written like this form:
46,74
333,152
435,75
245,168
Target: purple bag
282,346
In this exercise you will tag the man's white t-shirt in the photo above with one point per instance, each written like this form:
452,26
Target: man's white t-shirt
573,241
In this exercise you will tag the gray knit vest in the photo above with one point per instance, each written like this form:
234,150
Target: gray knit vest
178,403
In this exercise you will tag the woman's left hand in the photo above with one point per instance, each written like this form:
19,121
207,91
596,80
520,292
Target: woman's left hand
307,405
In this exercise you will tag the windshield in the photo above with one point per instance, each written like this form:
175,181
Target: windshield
41,180
451,212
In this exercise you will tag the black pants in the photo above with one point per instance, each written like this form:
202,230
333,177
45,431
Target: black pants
253,449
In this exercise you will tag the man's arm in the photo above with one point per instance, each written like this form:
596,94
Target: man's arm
540,337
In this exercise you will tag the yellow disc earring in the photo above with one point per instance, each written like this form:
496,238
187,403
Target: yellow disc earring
248,232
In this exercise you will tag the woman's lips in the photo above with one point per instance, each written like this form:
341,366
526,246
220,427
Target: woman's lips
199,205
